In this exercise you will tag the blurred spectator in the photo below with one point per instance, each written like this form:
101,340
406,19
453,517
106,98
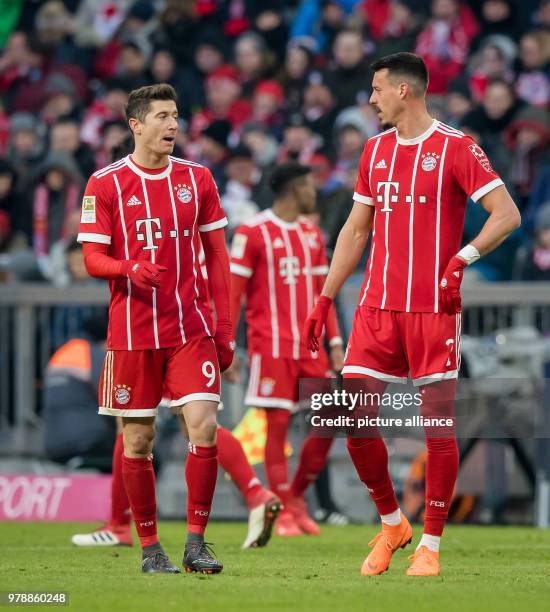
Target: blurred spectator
262,144
237,199
26,145
97,21
527,137
299,141
253,60
270,22
350,72
57,194
493,61
214,148
108,106
113,135
224,101
393,24
321,19
496,17
533,84
8,203
65,136
534,260
299,61
445,41
320,110
60,98
132,65
267,105
178,29
458,101
350,134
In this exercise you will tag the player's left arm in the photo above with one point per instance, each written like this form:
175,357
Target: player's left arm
212,220
475,175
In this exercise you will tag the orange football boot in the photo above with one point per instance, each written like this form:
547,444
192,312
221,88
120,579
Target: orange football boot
384,545
425,562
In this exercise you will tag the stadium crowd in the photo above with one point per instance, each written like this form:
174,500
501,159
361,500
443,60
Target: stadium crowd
260,83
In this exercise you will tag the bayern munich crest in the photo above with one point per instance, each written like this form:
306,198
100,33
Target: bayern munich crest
184,193
429,161
122,394
266,386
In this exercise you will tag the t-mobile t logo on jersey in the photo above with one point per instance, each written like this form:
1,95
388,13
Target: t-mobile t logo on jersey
289,269
388,192
149,233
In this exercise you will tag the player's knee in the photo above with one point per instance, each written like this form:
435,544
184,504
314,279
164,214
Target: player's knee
203,433
139,442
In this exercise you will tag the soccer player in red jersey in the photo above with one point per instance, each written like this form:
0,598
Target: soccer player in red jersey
413,184
278,265
143,220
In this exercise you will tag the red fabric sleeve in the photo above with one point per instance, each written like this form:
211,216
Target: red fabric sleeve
100,265
217,266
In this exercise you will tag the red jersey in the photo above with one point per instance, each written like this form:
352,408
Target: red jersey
286,263
419,189
154,216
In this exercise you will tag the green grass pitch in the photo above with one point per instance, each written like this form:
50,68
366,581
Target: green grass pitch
484,568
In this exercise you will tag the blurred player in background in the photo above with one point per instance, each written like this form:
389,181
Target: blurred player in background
278,264
413,184
140,225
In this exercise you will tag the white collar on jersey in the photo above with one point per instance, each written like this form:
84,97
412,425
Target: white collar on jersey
280,222
146,175
418,139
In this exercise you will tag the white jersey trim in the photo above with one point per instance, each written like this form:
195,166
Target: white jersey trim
272,293
178,266
411,231
208,227
145,175
240,270
438,225
280,222
387,229
418,139
353,369
138,412
293,305
483,191
319,270
111,168
431,378
308,268
362,199
99,238
193,397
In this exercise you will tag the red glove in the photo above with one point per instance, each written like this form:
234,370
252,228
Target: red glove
449,287
225,346
315,323
143,274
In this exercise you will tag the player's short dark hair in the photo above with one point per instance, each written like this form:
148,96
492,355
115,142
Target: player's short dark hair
407,66
139,100
284,174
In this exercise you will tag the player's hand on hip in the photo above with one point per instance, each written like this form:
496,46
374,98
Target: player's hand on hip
233,372
449,287
145,274
313,328
337,358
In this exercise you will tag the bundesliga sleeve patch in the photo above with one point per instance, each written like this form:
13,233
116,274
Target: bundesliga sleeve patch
238,246
88,210
479,154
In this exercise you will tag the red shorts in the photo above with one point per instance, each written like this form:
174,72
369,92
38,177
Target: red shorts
273,382
133,383
390,345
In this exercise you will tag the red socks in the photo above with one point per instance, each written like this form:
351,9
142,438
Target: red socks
313,457
370,458
276,465
232,459
120,504
442,462
201,471
139,481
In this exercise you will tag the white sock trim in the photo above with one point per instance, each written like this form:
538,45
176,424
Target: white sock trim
392,519
429,541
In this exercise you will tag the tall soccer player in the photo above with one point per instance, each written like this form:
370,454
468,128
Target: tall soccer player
278,265
413,184
140,225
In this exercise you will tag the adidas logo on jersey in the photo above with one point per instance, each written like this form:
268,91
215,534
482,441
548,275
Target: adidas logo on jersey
381,165
133,201
278,243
